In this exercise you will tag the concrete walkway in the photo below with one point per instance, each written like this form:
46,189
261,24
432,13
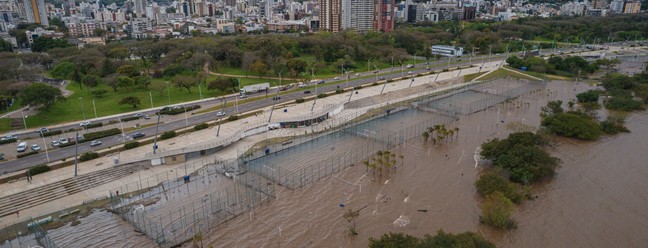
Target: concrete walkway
393,92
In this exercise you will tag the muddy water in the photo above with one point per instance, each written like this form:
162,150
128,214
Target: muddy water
597,199
100,229
588,204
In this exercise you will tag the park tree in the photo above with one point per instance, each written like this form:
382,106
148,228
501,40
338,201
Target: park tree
259,68
186,82
98,93
5,46
223,84
42,44
90,81
9,68
128,70
158,86
296,66
130,100
41,95
120,53
111,81
125,82
63,70
144,81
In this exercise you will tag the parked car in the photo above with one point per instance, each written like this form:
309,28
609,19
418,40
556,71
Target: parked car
220,113
35,147
410,72
85,123
56,143
376,71
22,147
138,135
357,74
146,117
410,66
8,137
243,96
42,130
95,143
307,92
63,141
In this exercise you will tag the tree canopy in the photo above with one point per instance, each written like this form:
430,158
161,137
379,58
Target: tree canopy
41,95
521,157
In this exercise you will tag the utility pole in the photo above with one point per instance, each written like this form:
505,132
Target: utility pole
45,144
76,153
157,126
151,97
168,92
94,107
220,121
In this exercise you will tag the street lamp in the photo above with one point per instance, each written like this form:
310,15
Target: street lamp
82,109
94,107
236,97
168,92
24,118
45,144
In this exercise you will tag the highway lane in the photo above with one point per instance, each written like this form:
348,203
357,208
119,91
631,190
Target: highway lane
331,85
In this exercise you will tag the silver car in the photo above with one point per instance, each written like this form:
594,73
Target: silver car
35,147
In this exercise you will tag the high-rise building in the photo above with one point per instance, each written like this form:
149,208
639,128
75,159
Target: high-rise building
330,15
357,15
632,7
384,16
35,12
140,7
616,6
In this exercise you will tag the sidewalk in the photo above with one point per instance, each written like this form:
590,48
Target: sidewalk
421,85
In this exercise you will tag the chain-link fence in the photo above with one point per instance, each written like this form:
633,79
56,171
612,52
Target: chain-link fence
181,204
478,97
27,235
318,156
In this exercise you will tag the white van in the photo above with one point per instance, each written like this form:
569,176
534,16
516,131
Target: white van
22,147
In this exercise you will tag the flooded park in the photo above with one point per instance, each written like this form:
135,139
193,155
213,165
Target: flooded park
293,192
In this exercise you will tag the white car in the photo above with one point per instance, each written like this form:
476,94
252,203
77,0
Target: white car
357,74
410,72
336,78
55,143
35,147
85,123
95,143
63,141
220,113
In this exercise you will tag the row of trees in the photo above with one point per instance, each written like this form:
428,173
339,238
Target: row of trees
439,133
569,66
383,160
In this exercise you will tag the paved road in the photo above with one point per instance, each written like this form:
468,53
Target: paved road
331,85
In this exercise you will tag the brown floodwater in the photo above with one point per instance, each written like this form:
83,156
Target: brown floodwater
596,199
